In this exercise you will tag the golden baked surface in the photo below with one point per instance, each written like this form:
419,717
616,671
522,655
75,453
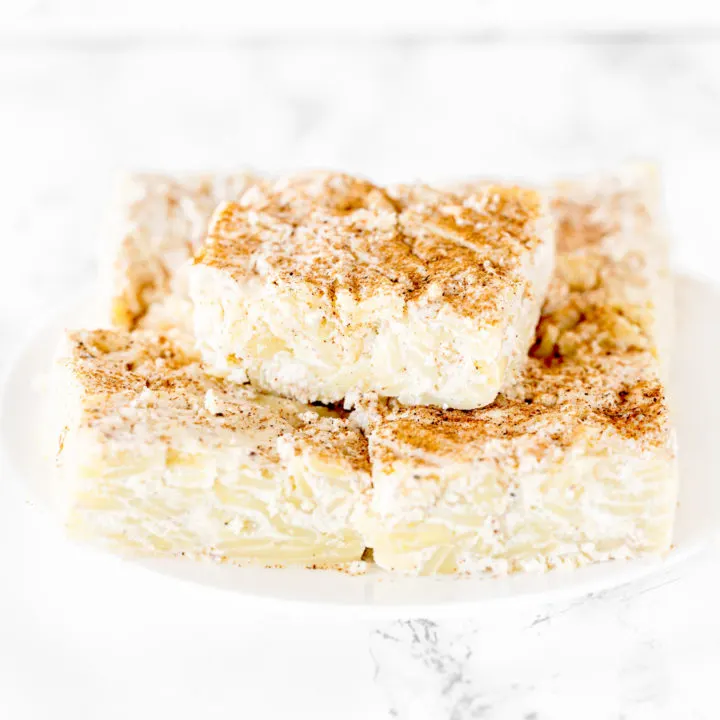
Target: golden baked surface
142,384
332,232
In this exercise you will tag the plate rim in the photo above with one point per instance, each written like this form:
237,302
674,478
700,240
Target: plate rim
625,572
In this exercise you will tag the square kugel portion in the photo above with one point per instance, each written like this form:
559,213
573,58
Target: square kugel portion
321,285
576,462
159,458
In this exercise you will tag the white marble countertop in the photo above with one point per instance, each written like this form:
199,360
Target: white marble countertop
83,636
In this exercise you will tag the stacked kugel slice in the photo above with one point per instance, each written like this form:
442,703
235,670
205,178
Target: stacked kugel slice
301,370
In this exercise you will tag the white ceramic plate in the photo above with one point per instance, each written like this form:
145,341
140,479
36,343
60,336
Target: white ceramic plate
696,396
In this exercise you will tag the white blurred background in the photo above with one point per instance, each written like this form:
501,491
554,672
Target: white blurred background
390,89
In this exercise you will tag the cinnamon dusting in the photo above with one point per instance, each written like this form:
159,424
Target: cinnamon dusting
332,232
594,368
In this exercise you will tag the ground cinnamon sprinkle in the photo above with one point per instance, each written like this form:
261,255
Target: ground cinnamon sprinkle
142,378
594,367
334,232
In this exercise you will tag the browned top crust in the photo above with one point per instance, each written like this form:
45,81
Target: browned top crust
594,368
332,233
142,387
